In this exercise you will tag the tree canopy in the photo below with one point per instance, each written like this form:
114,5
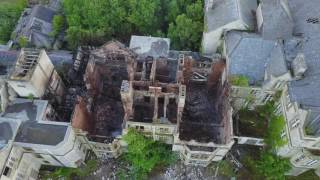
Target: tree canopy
272,167
9,15
96,21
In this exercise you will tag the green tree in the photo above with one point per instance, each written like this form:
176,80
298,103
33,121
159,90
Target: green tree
272,167
186,31
143,15
9,15
144,154
58,24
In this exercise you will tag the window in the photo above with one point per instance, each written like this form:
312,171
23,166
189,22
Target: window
147,99
7,171
22,86
283,134
28,149
46,162
164,130
141,128
278,84
313,20
300,158
254,92
39,156
295,123
311,162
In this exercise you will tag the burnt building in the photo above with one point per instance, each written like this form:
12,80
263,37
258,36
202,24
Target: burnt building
179,98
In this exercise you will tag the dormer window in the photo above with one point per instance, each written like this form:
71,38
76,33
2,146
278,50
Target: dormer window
313,20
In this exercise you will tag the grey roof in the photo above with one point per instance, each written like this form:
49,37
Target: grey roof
44,134
43,13
7,61
61,59
249,55
306,91
277,20
276,63
224,12
302,11
150,46
36,25
8,129
8,57
25,109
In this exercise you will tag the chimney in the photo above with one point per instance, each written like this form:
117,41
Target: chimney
299,66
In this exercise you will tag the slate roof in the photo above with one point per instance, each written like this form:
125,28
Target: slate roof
224,12
150,46
25,110
8,130
306,91
250,55
7,61
277,20
36,24
44,134
43,13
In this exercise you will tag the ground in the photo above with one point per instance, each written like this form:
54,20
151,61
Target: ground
177,171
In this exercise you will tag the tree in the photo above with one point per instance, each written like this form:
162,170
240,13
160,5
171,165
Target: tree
58,24
9,15
186,32
142,15
144,154
272,167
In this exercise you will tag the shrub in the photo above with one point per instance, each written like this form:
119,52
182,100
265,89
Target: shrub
272,167
69,173
58,24
144,154
240,80
23,41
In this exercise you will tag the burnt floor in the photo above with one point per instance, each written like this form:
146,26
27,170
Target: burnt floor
202,116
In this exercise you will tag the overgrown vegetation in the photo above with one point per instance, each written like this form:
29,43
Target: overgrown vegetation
96,21
22,41
268,165
57,24
226,169
144,154
272,167
240,80
275,127
10,12
71,173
